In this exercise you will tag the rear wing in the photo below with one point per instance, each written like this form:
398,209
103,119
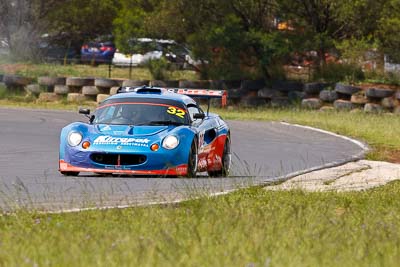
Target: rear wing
198,93
201,93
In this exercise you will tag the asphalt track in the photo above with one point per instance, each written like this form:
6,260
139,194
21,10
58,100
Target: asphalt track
262,152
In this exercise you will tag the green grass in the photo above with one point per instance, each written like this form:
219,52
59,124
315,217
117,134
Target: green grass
251,227
80,70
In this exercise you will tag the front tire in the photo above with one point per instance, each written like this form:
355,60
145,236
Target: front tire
192,161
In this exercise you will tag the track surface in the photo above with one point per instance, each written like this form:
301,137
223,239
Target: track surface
263,151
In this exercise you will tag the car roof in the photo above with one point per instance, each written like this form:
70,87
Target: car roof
155,93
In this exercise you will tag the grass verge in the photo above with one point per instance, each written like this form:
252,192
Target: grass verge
82,70
251,227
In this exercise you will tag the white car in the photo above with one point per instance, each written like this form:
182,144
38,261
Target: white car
120,59
146,49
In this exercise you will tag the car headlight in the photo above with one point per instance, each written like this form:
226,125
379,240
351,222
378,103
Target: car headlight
74,138
170,142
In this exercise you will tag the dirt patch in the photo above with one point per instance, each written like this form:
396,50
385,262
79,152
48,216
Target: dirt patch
12,68
394,156
365,86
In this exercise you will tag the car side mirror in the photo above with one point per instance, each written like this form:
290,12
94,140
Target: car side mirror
84,111
199,116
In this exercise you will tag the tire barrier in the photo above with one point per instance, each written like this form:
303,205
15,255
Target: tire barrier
328,96
346,89
105,83
314,88
49,97
61,89
343,105
90,90
359,98
51,81
79,82
379,93
248,93
13,81
33,89
311,103
373,108
76,98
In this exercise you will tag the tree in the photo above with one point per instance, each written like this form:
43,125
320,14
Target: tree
237,38
21,23
389,28
83,20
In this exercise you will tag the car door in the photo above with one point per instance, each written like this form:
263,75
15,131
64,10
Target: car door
207,133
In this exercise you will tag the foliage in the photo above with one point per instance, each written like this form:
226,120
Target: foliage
158,68
336,72
83,21
389,26
353,51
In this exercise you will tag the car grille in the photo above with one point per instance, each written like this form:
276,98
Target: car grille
118,159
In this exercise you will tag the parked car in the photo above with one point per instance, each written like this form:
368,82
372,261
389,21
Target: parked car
146,49
97,52
148,131
57,48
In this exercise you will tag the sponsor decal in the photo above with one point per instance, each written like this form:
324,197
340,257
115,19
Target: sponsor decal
126,141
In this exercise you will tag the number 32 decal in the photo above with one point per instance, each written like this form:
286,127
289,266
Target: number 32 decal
177,112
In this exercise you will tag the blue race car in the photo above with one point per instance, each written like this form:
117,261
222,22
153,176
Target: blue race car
148,131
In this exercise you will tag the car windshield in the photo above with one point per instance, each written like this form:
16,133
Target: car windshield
132,113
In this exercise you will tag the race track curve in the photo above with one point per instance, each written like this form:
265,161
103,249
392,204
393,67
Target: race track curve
263,152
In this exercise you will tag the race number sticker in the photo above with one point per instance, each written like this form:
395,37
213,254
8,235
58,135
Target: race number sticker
177,112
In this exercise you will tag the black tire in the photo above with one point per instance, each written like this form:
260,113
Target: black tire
61,89
328,96
70,173
90,90
343,105
314,88
346,89
192,161
51,81
379,93
311,103
15,80
79,82
252,101
226,161
287,86
107,83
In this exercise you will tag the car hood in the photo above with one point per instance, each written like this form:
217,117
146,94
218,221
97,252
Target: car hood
126,130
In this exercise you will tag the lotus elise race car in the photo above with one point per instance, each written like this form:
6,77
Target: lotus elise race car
148,131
